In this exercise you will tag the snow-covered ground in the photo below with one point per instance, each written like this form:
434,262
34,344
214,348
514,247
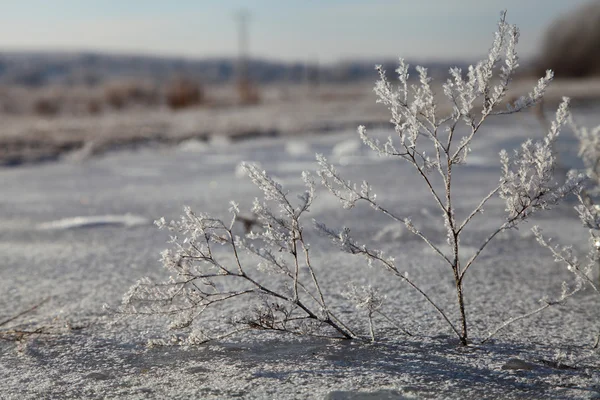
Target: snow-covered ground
74,236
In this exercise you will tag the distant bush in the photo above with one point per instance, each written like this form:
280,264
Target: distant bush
93,106
122,94
183,93
570,46
247,92
47,105
291,300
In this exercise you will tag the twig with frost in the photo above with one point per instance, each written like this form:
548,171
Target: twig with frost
588,211
203,277
546,303
527,183
564,254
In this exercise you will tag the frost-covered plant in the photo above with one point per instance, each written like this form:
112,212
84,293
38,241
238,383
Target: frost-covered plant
587,209
278,291
433,147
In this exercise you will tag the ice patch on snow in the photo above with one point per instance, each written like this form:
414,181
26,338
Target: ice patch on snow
297,148
479,160
220,140
138,172
127,220
193,146
392,232
350,147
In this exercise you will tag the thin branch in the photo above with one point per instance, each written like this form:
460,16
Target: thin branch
371,328
395,271
414,231
312,274
517,318
394,323
502,228
477,209
27,311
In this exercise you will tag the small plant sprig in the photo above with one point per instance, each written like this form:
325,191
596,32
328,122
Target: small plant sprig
527,182
371,300
291,301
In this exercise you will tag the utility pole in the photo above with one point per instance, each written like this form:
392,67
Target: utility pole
246,91
242,17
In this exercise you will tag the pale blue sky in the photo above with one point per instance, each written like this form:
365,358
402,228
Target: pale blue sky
292,30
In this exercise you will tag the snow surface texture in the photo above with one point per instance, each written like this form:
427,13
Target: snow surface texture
82,350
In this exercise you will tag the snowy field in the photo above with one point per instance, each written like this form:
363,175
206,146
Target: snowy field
74,236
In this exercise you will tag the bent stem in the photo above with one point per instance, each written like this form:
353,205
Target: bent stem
515,319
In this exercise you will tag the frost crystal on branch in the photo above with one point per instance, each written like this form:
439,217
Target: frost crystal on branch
527,182
365,297
588,214
346,191
589,149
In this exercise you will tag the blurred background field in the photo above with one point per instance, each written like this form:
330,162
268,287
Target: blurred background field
256,69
